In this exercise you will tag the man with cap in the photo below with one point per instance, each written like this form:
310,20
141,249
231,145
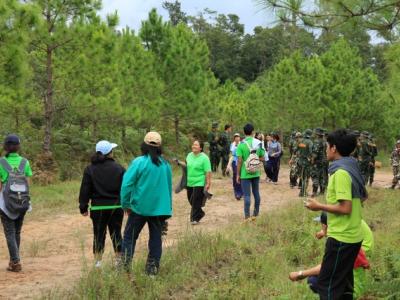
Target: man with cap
395,163
294,159
224,147
213,146
318,162
364,155
146,197
99,197
305,153
11,219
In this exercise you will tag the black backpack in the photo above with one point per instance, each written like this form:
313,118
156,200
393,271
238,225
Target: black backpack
16,189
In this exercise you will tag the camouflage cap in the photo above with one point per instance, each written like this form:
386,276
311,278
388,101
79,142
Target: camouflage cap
356,133
307,133
319,131
365,133
298,134
398,142
214,125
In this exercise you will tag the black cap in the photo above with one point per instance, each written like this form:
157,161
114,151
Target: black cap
12,139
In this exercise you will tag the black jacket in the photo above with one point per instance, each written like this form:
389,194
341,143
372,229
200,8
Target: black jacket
101,184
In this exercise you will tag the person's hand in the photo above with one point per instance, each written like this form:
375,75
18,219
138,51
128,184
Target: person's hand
207,187
238,179
127,211
85,214
312,204
296,276
320,234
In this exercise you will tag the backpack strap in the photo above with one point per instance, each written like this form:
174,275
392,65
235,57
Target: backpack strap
22,164
4,163
248,146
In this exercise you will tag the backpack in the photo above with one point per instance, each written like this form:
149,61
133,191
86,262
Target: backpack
252,163
16,189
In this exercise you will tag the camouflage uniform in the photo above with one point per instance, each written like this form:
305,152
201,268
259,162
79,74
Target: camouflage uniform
364,156
304,161
224,150
374,153
318,162
293,149
395,163
213,147
326,164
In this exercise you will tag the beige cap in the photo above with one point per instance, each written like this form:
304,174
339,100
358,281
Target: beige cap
153,138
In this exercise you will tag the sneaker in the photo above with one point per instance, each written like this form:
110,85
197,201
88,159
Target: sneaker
194,222
14,267
151,269
97,264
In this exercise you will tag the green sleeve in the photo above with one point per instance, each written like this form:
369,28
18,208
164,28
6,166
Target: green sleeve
3,174
128,183
28,170
207,164
239,151
343,185
260,152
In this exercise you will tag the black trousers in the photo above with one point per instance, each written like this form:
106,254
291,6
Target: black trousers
103,219
195,197
335,280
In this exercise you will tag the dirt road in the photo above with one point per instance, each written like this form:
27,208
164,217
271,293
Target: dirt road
54,250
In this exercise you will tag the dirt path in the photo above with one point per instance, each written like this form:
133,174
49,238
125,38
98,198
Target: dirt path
54,250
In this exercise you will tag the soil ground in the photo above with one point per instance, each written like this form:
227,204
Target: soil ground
55,249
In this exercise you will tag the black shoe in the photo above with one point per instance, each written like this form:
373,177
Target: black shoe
151,268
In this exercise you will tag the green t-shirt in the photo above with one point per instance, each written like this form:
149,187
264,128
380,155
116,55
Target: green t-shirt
197,168
344,228
14,159
243,151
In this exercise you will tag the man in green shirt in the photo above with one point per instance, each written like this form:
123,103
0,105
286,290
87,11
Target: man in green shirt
249,181
344,193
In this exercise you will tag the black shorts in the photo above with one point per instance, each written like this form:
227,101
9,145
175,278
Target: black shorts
335,280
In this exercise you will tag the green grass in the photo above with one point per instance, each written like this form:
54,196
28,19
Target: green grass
251,261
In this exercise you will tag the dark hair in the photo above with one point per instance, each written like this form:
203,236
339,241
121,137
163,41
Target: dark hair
201,143
99,157
153,151
248,129
10,148
276,136
227,126
344,140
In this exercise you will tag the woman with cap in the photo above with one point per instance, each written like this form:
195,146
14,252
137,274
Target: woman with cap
274,157
101,187
237,188
146,197
12,220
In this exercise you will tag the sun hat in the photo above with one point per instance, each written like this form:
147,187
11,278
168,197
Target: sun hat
153,138
105,147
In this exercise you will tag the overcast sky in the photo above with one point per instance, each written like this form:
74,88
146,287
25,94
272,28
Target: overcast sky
132,12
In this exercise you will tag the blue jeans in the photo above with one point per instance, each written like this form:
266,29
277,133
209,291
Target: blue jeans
237,188
12,233
249,185
133,228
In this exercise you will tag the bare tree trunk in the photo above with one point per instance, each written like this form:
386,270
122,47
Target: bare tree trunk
48,101
176,123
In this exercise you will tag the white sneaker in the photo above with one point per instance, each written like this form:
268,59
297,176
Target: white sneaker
194,222
97,264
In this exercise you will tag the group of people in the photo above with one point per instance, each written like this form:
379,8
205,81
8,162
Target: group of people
308,159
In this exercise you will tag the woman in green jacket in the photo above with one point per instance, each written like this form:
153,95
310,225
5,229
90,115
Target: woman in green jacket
146,197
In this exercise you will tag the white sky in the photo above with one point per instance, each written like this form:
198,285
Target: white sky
132,12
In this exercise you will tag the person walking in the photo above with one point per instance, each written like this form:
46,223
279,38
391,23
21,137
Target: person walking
224,147
304,161
318,162
213,140
100,188
395,163
274,157
146,197
12,213
237,188
250,156
198,180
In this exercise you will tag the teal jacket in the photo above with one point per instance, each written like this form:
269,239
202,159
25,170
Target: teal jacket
147,188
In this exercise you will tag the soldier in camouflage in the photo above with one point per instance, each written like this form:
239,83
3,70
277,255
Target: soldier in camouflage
395,163
293,163
374,153
318,162
213,146
326,164
304,160
364,155
224,147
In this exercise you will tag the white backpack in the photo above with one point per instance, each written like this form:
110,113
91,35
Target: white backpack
252,163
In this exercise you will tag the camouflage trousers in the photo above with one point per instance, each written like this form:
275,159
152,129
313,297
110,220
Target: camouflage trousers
224,161
396,175
364,168
371,173
304,174
214,159
293,174
318,177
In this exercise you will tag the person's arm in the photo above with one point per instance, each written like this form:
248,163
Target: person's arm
322,233
343,208
85,192
314,271
208,181
127,186
239,168
207,169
